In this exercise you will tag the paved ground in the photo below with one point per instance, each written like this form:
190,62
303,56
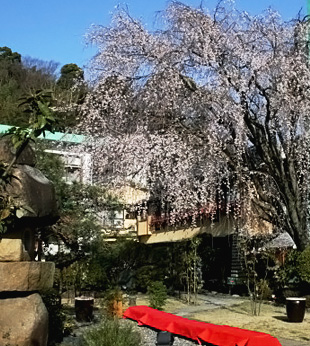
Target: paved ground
209,302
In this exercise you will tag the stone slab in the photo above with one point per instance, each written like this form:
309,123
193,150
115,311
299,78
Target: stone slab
12,246
26,276
23,321
11,250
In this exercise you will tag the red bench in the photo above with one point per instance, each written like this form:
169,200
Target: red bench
198,331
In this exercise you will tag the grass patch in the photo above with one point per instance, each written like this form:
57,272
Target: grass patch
272,320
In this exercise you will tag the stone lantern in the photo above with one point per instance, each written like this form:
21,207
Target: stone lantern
23,315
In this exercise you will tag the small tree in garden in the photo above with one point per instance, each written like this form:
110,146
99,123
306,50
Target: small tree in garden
213,107
191,265
157,293
256,268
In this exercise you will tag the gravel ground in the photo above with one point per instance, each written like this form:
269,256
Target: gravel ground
148,335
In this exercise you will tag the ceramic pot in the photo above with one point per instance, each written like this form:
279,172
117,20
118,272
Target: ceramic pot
84,309
295,309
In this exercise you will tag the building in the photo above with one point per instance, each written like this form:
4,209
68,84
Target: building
78,164
115,222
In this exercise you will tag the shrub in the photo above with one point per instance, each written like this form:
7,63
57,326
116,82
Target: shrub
303,265
112,332
51,299
263,289
157,293
113,301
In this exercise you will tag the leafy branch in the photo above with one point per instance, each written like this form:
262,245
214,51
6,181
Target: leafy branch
37,107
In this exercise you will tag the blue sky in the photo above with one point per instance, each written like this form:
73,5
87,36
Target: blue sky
54,29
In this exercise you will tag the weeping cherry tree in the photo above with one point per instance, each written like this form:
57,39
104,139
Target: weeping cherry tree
214,106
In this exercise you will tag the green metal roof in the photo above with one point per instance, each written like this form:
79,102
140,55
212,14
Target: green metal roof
57,136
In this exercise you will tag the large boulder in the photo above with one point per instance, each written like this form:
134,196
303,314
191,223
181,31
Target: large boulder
23,321
26,276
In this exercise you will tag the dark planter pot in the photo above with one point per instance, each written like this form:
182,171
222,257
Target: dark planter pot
84,308
295,309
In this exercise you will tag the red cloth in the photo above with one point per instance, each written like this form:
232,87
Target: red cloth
198,331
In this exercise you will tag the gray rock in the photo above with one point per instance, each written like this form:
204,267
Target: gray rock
23,321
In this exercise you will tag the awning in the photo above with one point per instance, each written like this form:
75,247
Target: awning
282,241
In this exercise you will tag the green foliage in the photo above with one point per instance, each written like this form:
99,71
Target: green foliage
303,265
7,204
287,273
68,107
71,91
191,268
112,332
157,293
292,277
146,274
113,294
111,297
6,54
21,76
70,74
91,263
36,107
52,167
16,81
69,324
263,290
83,270
256,266
7,209
57,317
